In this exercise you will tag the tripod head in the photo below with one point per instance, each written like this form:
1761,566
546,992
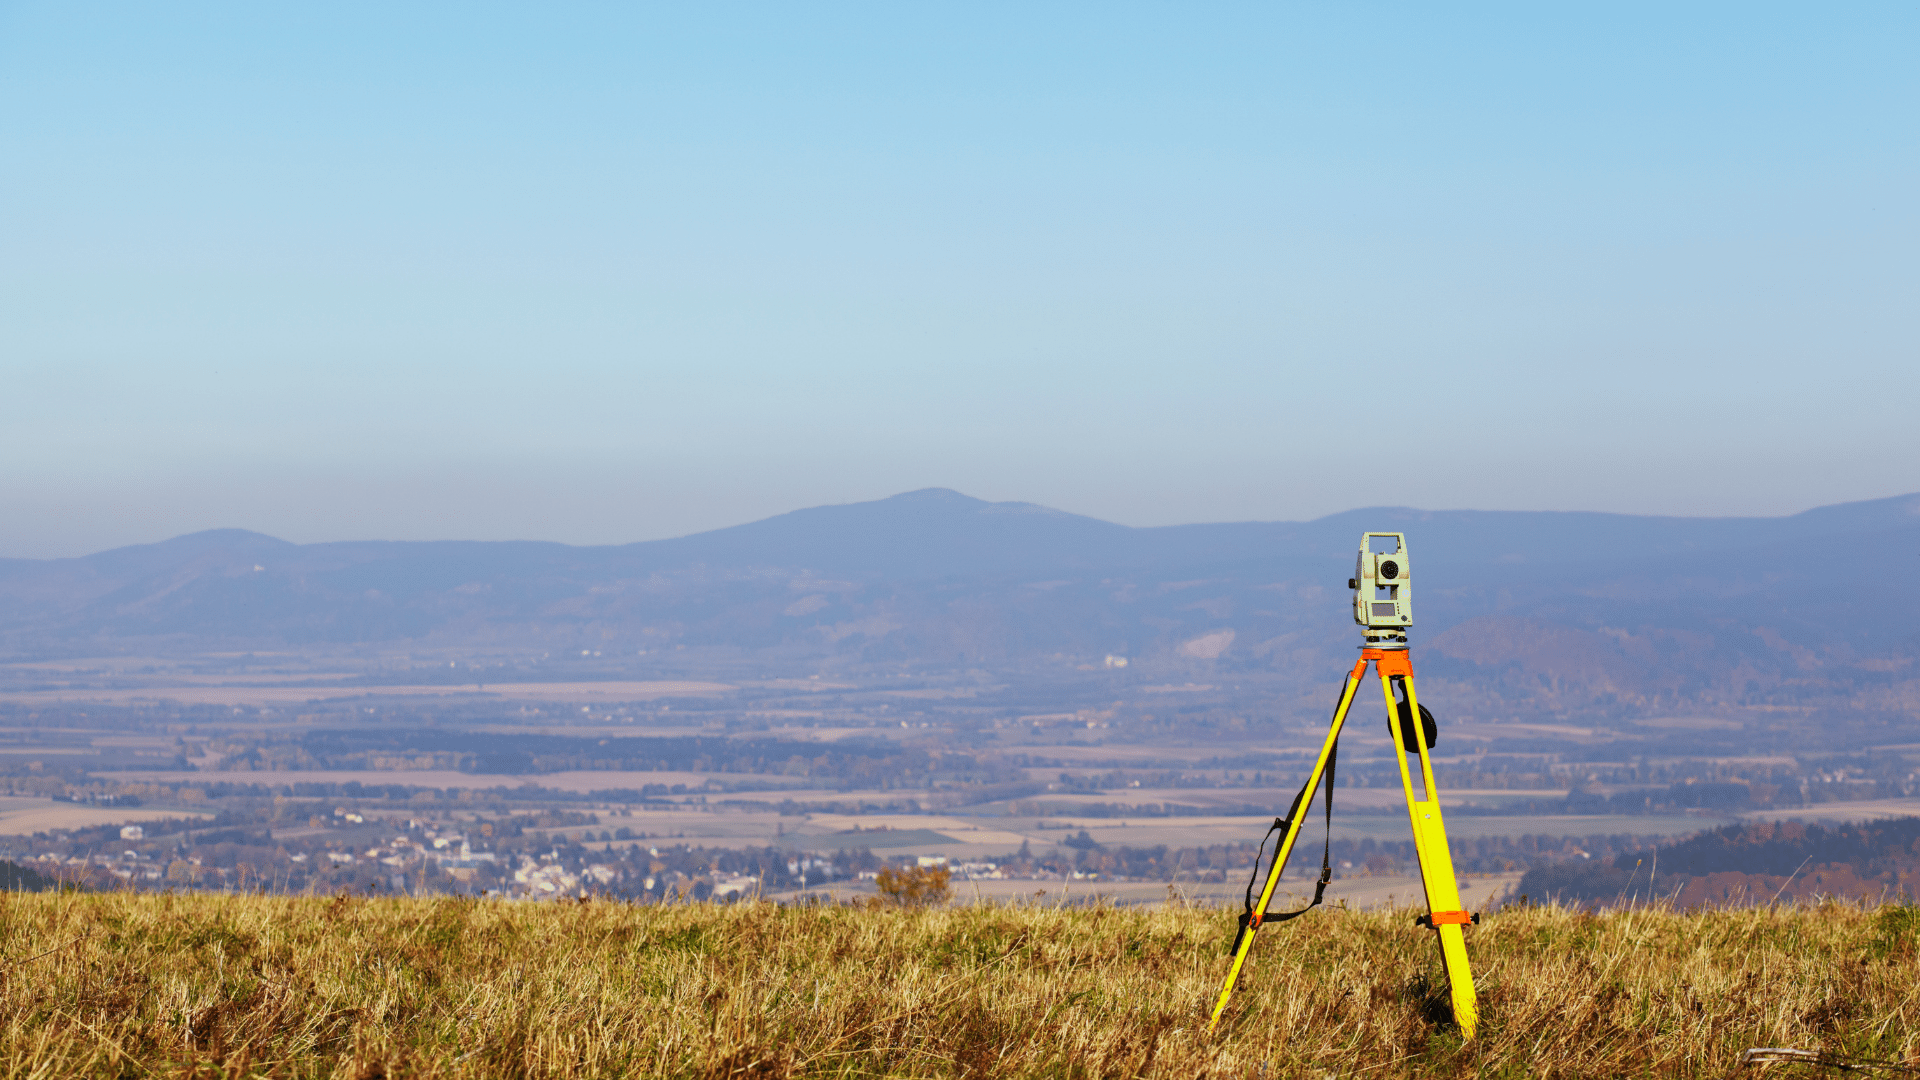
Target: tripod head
1382,585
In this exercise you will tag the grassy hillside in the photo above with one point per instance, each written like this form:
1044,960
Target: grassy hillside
122,985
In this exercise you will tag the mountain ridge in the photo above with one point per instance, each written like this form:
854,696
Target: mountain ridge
1832,517
1648,609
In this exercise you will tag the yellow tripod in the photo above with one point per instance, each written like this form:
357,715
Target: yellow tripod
1386,611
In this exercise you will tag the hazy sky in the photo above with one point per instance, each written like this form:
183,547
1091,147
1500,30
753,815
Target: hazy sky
601,274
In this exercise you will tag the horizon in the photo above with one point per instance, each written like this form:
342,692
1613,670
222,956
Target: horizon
945,491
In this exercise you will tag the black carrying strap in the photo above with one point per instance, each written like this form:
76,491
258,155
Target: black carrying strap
1247,920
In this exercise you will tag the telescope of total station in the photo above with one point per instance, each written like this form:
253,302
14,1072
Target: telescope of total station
1382,586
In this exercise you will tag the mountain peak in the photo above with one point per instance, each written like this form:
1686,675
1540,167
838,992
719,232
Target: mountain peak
934,494
237,541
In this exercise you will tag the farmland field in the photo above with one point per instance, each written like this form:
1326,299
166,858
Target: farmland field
20,816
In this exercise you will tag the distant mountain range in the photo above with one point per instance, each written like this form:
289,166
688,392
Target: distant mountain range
1574,611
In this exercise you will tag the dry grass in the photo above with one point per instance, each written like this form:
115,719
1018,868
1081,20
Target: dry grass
122,985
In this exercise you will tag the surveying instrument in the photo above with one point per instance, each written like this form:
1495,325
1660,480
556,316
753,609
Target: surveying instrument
1383,606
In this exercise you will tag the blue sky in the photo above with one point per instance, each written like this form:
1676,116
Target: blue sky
606,273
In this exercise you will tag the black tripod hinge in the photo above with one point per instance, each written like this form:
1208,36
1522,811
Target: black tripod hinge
1246,927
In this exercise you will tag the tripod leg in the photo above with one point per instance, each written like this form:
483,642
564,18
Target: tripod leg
1430,842
1285,849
